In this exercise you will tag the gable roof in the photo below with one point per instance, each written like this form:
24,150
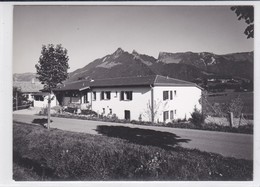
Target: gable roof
153,80
168,81
28,87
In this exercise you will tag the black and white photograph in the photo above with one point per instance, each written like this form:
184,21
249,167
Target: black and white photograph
138,92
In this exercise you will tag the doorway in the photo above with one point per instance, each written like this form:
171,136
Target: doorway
127,115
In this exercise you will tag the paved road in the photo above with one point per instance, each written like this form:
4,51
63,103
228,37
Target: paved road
227,144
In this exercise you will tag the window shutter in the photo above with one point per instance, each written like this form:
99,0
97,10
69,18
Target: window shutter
171,114
102,95
122,95
130,96
164,98
108,95
171,95
94,95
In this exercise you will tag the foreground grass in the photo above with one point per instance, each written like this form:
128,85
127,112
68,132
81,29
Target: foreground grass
40,154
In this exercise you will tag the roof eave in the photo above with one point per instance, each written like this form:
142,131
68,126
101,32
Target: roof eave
84,88
178,85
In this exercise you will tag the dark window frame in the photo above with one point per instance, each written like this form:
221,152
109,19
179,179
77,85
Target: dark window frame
94,96
126,95
171,115
165,95
165,115
105,95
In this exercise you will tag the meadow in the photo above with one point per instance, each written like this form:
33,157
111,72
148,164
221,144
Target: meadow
227,97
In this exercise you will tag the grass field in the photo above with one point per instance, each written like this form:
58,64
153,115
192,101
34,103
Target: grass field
227,97
41,154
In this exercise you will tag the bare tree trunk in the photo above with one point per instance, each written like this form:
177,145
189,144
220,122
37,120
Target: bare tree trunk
49,111
16,96
231,122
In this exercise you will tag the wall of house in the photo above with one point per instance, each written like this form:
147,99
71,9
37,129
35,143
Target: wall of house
141,96
44,103
182,103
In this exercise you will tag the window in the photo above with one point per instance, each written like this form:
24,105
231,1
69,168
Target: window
171,115
175,93
85,98
105,95
165,95
165,115
38,98
170,95
110,111
126,95
94,96
104,111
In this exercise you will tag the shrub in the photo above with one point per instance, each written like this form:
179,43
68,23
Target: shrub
88,112
197,118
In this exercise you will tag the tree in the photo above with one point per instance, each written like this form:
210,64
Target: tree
197,117
52,69
236,106
19,100
152,112
246,13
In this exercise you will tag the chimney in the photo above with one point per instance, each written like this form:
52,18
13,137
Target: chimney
33,81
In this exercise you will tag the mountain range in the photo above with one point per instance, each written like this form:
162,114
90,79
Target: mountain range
186,66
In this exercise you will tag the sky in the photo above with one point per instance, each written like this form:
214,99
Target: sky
90,32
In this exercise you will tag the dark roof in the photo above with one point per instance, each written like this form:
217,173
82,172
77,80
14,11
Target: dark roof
154,80
168,81
41,94
123,81
77,85
28,86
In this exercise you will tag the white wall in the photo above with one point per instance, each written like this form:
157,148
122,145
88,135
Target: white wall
44,103
184,102
137,106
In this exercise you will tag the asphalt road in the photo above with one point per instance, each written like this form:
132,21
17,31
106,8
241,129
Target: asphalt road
226,144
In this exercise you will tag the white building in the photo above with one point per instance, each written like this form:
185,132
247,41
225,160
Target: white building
40,99
149,98
32,91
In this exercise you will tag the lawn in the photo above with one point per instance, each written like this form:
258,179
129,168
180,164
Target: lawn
41,154
247,98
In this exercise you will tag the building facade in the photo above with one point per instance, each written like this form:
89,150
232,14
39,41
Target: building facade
151,98
32,91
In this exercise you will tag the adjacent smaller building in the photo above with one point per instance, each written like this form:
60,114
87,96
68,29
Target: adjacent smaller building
148,98
32,91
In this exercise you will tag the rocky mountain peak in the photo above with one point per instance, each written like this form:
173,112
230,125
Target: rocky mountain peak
135,52
118,51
